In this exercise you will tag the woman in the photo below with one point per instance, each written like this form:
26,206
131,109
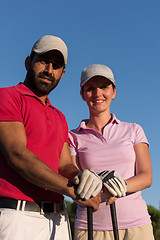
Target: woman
103,142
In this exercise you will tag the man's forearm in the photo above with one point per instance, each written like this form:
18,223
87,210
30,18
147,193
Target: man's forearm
37,172
69,171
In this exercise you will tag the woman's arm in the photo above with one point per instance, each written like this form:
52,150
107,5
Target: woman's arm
67,168
143,170
75,161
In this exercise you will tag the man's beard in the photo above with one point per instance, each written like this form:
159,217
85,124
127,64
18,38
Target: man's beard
40,88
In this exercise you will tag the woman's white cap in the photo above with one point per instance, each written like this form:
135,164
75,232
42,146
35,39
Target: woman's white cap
96,70
48,43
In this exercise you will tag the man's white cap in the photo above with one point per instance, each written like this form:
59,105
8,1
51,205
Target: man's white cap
48,43
96,70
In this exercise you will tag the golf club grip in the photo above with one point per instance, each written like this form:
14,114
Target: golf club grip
114,221
90,222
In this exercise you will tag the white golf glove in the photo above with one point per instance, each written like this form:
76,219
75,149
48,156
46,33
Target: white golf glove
114,183
89,184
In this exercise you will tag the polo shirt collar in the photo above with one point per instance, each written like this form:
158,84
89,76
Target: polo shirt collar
26,91
83,123
114,119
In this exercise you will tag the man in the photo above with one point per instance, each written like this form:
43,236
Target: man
36,167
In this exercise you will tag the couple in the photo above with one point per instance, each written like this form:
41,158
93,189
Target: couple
40,164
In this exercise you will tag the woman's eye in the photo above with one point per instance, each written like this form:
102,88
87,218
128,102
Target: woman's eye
103,86
89,89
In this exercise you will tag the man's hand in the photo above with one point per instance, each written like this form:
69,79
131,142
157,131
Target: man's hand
89,184
114,183
92,202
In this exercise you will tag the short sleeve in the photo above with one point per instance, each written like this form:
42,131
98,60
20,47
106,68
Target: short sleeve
72,143
10,107
66,131
64,125
140,135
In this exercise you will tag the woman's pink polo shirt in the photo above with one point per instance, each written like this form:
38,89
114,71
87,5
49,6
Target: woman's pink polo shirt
114,150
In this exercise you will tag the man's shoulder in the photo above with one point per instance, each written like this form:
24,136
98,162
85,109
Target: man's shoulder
58,111
60,114
10,96
9,90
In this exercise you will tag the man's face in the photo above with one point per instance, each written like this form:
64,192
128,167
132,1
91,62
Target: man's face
44,72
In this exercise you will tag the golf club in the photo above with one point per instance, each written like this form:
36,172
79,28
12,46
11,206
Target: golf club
90,222
114,221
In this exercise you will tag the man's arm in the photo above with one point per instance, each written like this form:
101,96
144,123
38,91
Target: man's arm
26,163
13,145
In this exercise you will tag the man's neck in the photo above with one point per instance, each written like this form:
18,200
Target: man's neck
43,98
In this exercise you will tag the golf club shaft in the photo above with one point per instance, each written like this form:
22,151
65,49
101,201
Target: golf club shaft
90,222
114,221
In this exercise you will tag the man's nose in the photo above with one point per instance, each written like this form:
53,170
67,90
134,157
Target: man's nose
49,68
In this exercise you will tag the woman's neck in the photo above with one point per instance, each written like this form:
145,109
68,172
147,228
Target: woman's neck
98,122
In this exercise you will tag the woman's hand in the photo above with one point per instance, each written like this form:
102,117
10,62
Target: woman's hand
109,198
114,182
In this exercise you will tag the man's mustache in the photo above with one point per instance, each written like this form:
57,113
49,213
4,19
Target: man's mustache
43,75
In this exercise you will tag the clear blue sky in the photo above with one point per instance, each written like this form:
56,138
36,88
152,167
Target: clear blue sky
123,35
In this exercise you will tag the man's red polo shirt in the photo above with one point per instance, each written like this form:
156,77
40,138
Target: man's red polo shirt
46,130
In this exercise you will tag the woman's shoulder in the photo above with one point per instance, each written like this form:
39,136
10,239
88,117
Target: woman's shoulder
127,124
80,128
131,127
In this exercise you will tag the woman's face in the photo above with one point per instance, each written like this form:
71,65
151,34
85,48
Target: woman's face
98,94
